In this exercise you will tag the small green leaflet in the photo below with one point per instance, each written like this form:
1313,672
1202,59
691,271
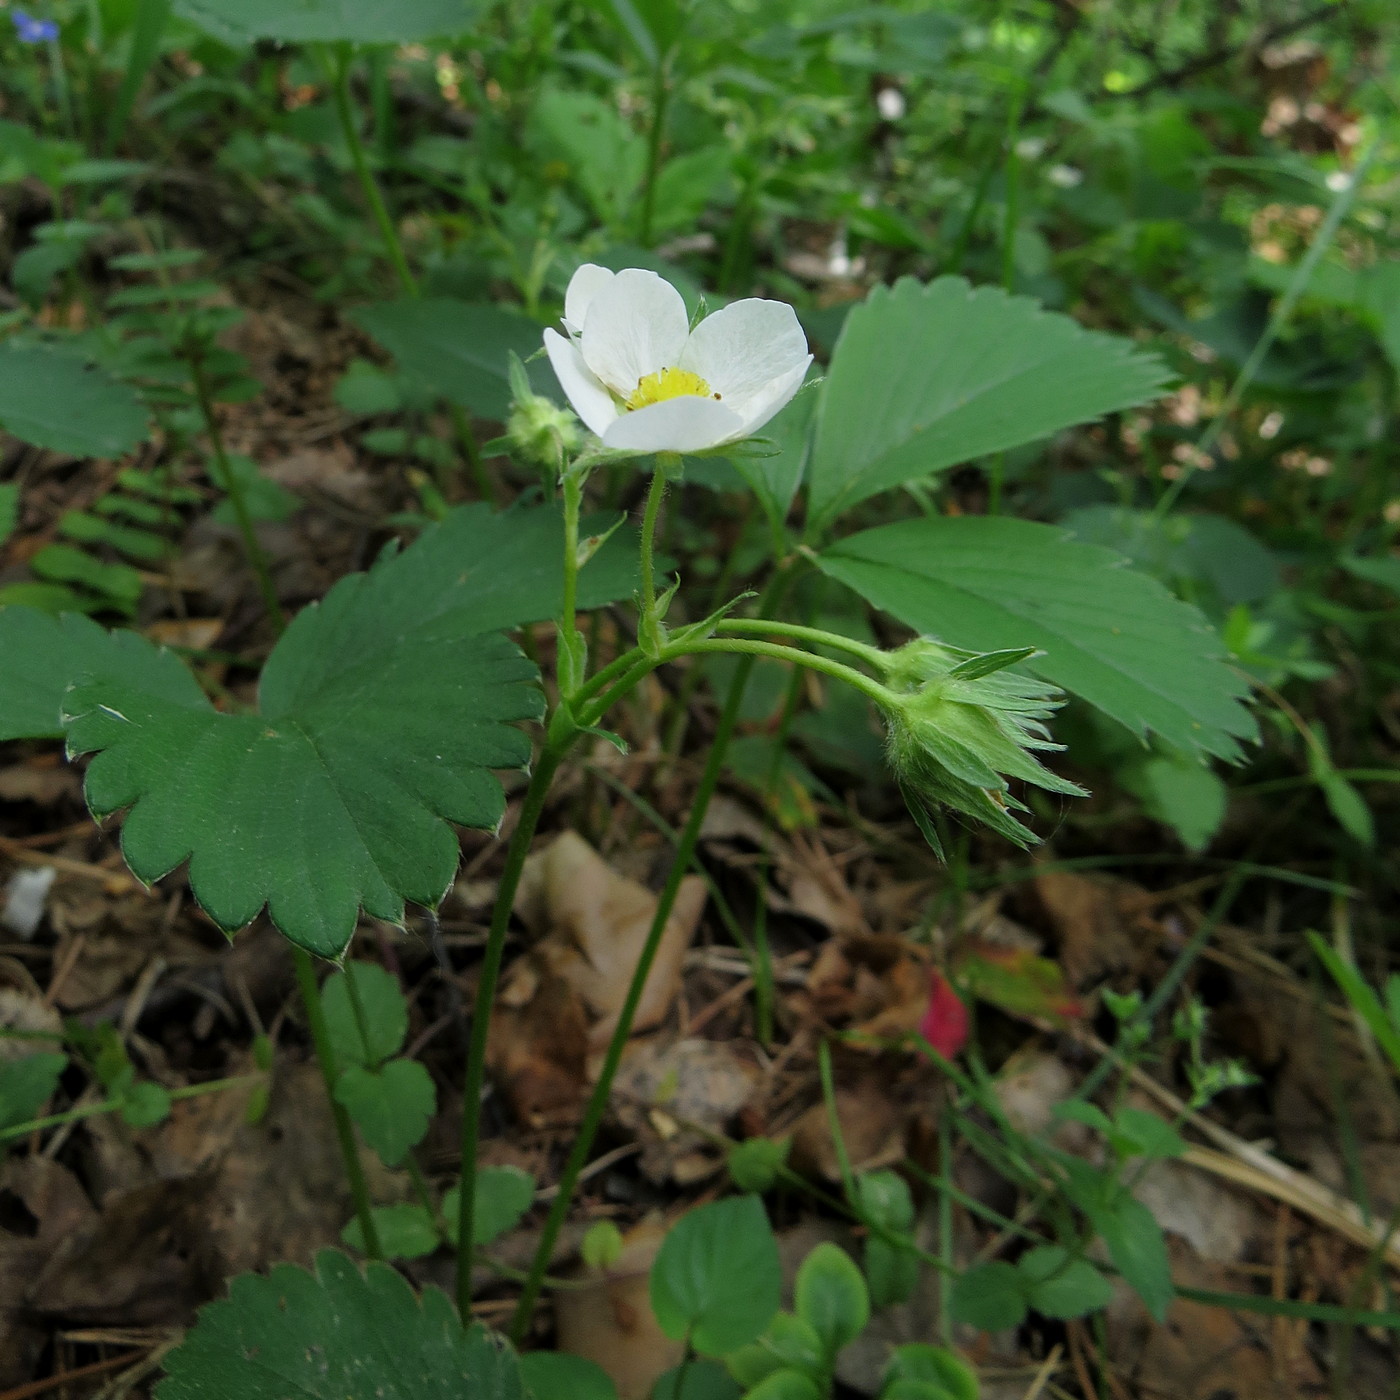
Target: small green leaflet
337,1333
1110,635
328,21
381,713
50,398
926,377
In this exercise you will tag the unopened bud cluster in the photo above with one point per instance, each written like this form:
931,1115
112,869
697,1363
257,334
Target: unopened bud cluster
961,725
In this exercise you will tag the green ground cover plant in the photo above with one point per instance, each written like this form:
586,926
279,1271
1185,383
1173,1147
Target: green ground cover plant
988,407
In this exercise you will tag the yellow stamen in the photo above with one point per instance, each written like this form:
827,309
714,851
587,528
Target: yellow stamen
668,384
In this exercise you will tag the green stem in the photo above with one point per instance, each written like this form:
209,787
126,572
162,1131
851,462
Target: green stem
681,863
330,1073
530,809
882,695
660,99
649,630
873,656
345,112
233,487
112,1105
572,656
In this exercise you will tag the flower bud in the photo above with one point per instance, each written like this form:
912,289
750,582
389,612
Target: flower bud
542,432
960,722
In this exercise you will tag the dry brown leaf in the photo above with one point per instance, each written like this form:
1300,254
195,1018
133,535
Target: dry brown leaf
595,924
612,1322
1094,920
872,1127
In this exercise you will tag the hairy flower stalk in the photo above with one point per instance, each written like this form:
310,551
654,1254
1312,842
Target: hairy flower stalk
960,725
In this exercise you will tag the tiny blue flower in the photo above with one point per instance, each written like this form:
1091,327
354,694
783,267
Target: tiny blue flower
31,30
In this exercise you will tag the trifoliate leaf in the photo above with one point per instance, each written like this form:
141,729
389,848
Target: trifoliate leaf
1114,637
337,1333
925,377
391,1106
52,399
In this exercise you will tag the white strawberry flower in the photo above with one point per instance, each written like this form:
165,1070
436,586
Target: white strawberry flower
643,381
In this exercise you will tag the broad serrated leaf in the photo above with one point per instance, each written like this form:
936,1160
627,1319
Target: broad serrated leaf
1110,635
927,376
462,349
328,21
381,712
337,1333
53,399
391,1105
44,655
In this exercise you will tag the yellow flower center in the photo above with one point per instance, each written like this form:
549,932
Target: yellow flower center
668,384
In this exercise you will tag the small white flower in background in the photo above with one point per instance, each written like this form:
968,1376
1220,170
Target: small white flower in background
643,381
1065,176
890,104
1031,147
1338,181
26,897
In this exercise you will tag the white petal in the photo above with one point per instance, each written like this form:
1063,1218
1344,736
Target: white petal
590,400
584,285
636,325
765,405
686,424
744,347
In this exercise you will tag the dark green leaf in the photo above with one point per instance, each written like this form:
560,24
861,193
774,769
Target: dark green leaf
717,1278
1114,637
459,348
989,1297
26,1086
699,1380
405,1232
919,1361
333,1334
44,655
1138,1250
52,399
555,1375
145,1104
926,377
1060,1286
